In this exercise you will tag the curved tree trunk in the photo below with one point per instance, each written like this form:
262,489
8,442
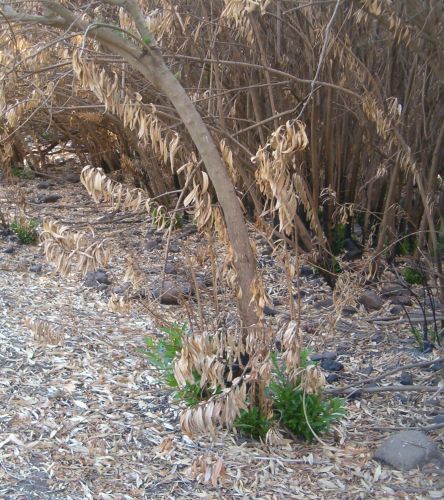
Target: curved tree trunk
147,59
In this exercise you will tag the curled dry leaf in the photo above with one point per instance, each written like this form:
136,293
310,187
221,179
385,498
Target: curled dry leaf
44,332
208,470
65,249
118,304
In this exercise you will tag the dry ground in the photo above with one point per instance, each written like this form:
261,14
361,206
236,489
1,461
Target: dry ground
88,418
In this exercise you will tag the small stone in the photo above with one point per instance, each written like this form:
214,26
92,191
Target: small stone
151,245
90,280
102,277
394,290
436,367
371,300
439,419
50,198
9,250
377,338
122,288
332,377
98,279
270,311
45,185
14,239
174,248
323,355
170,268
401,300
306,271
397,309
72,177
353,250
366,370
301,293
36,268
407,450
406,378
188,231
323,304
170,293
331,366
349,310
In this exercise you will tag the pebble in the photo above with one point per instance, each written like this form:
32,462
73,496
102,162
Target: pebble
170,268
371,300
367,370
396,309
323,304
50,198
331,365
151,245
406,378
102,277
439,419
332,377
324,355
9,250
401,300
98,279
170,293
408,450
349,310
174,248
36,268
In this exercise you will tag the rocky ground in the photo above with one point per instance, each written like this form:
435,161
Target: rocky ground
82,413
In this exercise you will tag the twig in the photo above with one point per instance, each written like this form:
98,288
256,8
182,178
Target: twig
425,428
387,388
355,386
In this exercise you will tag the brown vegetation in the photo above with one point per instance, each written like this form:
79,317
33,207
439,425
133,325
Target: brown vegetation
312,117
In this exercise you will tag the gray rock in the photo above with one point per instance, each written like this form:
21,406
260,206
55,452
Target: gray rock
439,419
72,177
332,377
36,268
174,248
371,300
349,310
151,245
406,378
50,198
436,367
98,279
9,250
45,185
122,288
323,355
306,271
170,268
397,309
171,293
301,293
367,370
352,248
394,290
401,300
331,366
102,277
323,304
407,450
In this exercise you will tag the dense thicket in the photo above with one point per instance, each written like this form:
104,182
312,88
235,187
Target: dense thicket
363,78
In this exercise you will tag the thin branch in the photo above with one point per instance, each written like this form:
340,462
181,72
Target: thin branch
372,380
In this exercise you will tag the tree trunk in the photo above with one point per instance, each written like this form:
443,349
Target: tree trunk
148,60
